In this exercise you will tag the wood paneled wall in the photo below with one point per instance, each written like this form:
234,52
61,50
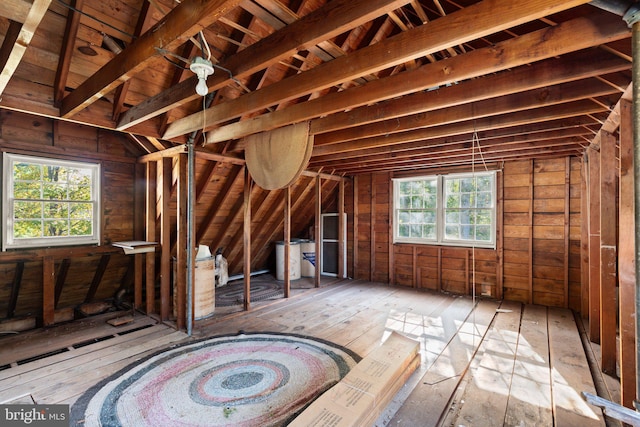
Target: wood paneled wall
537,258
62,279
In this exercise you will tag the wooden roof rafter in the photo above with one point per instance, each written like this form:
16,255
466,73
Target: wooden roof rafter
24,19
463,67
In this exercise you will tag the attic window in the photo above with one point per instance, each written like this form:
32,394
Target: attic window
49,202
453,210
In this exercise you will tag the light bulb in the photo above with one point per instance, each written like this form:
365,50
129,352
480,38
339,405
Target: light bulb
201,87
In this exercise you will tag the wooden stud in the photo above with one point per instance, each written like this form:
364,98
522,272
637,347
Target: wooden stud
439,270
246,240
500,236
567,212
414,267
531,203
61,278
150,258
594,247
372,230
318,236
181,243
48,291
15,289
97,277
392,273
341,228
356,214
626,260
584,238
287,241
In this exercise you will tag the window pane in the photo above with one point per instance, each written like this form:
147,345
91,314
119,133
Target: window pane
54,191
404,217
452,232
416,230
430,202
404,202
81,228
453,201
429,231
483,216
80,192
467,200
80,211
403,230
26,171
485,183
483,233
484,200
453,217
466,232
56,228
24,210
26,190
467,185
467,216
56,210
25,229
429,217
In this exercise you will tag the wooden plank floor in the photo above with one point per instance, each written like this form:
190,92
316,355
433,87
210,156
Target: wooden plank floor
491,363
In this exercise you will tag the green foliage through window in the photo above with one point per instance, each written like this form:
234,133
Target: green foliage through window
49,199
446,209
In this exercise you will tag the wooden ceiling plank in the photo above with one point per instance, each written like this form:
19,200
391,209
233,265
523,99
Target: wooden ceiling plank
329,21
31,22
562,150
580,123
457,145
182,22
453,145
475,21
15,10
492,122
505,103
523,50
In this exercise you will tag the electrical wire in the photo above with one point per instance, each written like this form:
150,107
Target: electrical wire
68,6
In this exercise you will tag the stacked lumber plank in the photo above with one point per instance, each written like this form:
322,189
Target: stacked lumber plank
366,390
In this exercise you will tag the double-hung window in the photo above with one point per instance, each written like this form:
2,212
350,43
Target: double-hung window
456,209
49,202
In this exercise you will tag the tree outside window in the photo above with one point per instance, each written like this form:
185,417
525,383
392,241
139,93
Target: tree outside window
457,209
49,202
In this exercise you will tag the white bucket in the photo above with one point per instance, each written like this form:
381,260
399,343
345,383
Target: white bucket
294,260
308,258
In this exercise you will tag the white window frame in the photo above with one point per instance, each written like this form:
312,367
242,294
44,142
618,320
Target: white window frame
8,202
440,238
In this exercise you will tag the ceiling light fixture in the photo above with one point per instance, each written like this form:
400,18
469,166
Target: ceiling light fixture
202,68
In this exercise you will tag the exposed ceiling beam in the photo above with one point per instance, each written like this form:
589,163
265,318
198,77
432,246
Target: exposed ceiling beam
12,50
574,124
184,21
492,122
327,22
580,33
475,21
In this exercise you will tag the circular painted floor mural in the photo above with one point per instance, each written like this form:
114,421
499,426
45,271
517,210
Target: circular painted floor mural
245,380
